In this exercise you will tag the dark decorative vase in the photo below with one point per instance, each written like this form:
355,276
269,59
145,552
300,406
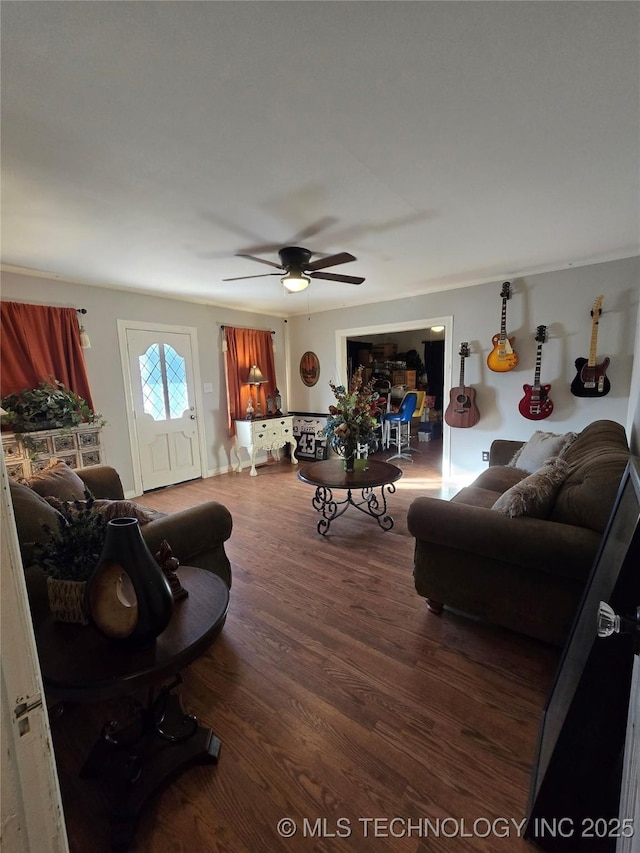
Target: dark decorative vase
128,596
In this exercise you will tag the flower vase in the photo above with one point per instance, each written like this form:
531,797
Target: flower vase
128,595
348,453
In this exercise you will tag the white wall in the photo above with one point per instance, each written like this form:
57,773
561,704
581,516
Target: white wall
104,308
560,300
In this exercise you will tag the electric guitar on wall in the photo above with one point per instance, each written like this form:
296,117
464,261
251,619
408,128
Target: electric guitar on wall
503,357
591,379
536,404
462,410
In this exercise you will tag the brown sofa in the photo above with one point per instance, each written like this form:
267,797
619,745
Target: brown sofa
196,535
524,573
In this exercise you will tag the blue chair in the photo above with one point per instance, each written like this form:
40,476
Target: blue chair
401,420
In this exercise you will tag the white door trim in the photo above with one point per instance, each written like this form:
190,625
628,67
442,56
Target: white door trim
137,325
407,326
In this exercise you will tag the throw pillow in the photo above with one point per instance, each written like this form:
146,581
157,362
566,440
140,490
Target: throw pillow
541,447
108,509
31,511
58,479
535,495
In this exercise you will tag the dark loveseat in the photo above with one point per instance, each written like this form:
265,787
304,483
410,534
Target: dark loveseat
196,535
525,573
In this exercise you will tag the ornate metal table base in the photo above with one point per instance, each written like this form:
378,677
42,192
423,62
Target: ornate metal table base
369,503
136,759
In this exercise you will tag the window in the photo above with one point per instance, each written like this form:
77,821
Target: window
164,383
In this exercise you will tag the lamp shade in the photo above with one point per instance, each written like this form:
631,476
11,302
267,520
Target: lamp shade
255,376
295,281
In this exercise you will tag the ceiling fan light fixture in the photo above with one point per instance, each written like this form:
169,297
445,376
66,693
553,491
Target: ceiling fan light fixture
295,281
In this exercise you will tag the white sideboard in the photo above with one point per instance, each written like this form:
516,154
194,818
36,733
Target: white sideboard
79,447
268,434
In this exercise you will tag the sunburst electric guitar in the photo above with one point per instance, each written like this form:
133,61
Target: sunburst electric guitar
536,404
503,357
591,379
462,410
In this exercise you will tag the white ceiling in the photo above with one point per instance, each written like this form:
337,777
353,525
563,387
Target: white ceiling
441,143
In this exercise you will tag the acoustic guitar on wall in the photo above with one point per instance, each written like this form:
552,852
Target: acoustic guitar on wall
536,404
462,410
503,357
591,379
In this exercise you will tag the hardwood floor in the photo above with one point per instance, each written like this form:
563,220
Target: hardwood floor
337,696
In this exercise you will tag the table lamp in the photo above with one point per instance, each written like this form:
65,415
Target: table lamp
256,378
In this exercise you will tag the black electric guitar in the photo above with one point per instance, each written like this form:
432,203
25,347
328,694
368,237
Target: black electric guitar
503,357
462,410
591,379
536,404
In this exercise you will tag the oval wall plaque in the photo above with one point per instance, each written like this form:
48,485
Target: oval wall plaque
309,369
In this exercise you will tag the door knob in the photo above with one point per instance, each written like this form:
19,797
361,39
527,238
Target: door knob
192,417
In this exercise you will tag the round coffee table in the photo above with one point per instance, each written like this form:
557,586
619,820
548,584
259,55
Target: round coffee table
135,758
330,474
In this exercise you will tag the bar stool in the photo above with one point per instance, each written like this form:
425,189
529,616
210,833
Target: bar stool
401,420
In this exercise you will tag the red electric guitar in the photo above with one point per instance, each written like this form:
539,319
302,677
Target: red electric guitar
503,357
536,404
462,410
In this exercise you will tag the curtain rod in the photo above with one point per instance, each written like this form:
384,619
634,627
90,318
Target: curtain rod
249,330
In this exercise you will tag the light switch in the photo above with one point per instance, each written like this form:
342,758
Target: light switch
208,388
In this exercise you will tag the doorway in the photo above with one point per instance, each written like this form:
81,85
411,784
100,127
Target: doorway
162,384
422,329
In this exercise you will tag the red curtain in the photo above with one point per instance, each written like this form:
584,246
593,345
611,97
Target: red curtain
244,348
39,343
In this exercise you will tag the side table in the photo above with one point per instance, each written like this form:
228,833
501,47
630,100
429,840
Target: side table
265,434
136,758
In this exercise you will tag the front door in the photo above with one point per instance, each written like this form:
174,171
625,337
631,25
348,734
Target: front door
163,390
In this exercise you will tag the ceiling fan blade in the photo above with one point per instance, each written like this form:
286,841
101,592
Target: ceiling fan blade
313,229
259,260
331,261
331,276
260,275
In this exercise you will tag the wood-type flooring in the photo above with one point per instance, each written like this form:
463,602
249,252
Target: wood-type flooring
345,708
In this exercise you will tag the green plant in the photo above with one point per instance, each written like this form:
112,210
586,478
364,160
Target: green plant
71,552
352,421
49,406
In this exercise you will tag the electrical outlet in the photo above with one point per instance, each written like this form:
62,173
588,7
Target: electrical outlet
208,387
485,455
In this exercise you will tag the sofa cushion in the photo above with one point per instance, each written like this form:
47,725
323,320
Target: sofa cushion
499,478
596,461
541,447
59,481
31,512
476,496
534,495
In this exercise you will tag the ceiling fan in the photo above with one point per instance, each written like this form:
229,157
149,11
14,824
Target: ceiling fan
299,269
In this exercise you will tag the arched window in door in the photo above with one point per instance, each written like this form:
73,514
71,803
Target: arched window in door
164,382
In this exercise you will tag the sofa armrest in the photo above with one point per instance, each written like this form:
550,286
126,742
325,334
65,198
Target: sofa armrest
524,541
190,532
102,481
502,451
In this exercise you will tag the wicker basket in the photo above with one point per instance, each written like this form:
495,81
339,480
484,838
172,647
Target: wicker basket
67,600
